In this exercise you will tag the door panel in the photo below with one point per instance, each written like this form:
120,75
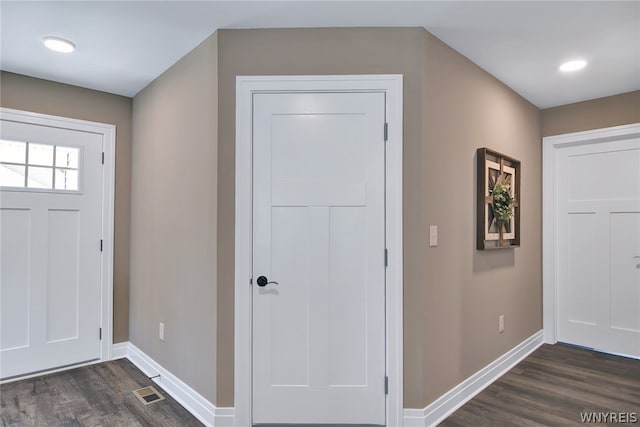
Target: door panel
288,317
15,229
50,250
598,228
348,293
318,216
583,268
62,282
625,271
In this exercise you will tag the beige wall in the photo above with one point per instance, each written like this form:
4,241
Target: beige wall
182,207
46,97
594,114
300,51
465,290
174,217
453,294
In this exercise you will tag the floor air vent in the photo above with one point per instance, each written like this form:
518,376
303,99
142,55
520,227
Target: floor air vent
148,395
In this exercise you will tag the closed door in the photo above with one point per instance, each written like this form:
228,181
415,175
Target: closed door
318,221
50,247
598,229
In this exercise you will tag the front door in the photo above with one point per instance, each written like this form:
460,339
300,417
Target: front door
50,247
598,226
319,258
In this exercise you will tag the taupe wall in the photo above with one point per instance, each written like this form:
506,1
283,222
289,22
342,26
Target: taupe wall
46,97
594,114
465,290
300,51
453,294
182,207
174,217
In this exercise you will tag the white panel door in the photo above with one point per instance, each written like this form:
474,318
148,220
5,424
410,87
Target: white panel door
598,229
318,218
50,255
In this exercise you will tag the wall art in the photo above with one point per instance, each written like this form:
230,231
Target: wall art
498,211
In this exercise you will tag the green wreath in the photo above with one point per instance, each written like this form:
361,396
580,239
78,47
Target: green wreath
502,201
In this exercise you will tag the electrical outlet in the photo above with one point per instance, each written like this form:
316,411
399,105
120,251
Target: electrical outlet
501,323
161,331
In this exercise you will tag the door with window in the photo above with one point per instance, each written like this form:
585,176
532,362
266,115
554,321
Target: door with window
50,247
318,258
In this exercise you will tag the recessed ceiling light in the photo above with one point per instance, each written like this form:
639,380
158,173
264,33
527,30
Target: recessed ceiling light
59,45
576,65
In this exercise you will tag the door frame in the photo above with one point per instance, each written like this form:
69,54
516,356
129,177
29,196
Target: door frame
108,134
246,87
550,147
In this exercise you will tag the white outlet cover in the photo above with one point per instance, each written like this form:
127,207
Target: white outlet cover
433,235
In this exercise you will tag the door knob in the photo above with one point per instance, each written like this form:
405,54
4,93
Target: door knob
263,281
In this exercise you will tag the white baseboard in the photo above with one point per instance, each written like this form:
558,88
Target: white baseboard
119,350
444,406
193,402
433,414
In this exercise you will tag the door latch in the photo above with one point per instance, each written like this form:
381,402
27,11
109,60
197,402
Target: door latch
262,281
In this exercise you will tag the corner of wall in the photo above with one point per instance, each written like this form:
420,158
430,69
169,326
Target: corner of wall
174,217
465,108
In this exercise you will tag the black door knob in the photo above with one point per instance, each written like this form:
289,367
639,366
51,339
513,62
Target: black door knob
263,281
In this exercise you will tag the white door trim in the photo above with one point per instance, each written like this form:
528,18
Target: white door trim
550,146
108,133
246,86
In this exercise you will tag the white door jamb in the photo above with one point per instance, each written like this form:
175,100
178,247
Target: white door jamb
550,145
108,133
246,86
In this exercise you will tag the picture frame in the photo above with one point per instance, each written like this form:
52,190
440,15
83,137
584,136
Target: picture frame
498,200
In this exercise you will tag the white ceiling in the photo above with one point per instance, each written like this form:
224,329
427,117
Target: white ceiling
123,45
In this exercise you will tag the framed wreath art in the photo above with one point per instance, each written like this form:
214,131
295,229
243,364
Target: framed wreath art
498,211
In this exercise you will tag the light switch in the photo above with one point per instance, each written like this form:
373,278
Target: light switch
433,235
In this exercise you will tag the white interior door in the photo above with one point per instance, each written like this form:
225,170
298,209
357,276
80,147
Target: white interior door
598,237
50,247
318,221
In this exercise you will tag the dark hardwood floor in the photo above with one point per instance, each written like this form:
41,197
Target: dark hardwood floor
553,387
95,395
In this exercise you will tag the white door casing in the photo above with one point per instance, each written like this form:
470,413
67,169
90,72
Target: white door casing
248,88
318,218
56,283
591,238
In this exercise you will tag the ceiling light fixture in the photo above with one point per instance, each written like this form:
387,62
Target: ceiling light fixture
59,45
576,65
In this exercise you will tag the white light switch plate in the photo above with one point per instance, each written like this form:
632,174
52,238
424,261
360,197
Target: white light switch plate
433,235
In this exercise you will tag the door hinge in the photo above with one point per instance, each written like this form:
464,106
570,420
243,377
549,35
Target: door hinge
100,245
386,258
100,334
386,131
103,157
386,385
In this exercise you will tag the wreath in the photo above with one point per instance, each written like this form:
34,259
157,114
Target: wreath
502,201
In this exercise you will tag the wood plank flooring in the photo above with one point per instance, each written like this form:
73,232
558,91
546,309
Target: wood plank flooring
552,387
95,395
